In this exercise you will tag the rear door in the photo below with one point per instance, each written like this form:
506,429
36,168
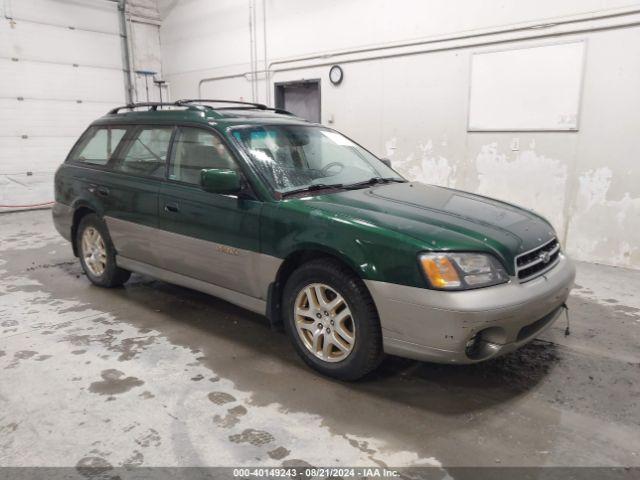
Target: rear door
129,191
207,236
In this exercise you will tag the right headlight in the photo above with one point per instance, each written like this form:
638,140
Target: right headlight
462,271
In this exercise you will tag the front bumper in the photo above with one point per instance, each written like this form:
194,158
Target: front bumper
435,326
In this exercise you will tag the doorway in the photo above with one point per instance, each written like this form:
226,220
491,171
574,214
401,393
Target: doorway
301,98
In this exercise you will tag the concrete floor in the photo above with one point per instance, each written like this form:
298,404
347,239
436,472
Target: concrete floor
154,374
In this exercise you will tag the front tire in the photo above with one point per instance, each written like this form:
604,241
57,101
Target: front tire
331,320
97,254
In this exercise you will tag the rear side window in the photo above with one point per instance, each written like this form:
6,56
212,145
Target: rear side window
145,152
97,145
194,150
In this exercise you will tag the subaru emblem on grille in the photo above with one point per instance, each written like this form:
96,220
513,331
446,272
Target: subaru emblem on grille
544,257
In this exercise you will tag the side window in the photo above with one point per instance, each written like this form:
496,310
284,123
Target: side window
194,150
145,152
97,145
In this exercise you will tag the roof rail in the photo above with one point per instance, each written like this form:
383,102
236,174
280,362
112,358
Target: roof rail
152,106
243,105
199,104
259,106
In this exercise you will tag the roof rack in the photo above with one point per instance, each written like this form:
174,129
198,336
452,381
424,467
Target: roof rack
152,106
242,105
259,106
199,104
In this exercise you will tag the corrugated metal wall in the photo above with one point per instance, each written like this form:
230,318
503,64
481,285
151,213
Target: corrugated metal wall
60,68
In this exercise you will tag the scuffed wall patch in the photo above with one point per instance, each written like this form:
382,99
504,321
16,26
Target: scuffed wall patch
529,179
602,230
424,165
390,147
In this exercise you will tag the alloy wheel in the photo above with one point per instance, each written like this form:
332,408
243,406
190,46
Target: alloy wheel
94,251
324,322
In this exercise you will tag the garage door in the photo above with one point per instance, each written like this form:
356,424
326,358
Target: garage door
60,68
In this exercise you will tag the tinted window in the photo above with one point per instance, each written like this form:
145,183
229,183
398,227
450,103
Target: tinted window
194,150
97,145
145,152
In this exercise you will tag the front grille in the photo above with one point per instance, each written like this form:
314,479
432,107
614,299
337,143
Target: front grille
534,262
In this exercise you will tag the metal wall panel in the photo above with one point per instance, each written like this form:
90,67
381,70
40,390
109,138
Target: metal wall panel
85,14
53,118
34,41
35,80
60,68
38,154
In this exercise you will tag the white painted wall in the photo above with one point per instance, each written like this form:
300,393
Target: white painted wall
412,105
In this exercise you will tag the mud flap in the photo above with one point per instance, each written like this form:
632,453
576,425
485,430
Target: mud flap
274,310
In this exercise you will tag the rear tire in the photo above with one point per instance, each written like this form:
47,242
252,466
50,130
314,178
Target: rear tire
97,254
331,320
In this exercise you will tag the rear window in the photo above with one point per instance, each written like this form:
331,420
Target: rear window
97,145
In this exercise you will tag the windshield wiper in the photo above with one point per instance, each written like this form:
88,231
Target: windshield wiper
374,181
313,187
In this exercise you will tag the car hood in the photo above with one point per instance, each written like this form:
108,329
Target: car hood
440,218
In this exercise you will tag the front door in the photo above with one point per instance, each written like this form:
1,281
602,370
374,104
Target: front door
206,236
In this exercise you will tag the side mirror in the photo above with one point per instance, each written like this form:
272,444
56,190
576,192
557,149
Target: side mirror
386,161
220,180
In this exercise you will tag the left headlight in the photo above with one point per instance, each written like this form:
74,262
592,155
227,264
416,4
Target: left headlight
462,271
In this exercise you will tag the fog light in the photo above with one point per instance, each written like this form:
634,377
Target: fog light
472,346
485,343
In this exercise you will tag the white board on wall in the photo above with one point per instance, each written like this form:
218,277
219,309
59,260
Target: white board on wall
534,88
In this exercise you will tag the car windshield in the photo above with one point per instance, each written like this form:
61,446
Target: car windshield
294,157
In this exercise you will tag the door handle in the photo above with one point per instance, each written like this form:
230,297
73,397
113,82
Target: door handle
171,207
103,191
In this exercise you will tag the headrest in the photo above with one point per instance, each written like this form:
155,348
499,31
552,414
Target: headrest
203,156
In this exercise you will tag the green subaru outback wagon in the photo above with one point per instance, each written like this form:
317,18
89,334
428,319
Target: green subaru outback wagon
299,223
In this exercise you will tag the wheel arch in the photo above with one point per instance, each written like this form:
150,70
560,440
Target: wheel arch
79,213
291,262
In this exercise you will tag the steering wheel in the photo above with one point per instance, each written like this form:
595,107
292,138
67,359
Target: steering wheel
325,170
